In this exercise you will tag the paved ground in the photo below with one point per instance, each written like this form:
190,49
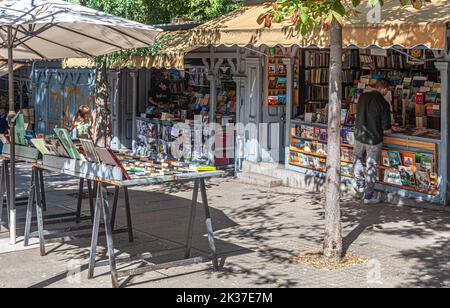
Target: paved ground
257,232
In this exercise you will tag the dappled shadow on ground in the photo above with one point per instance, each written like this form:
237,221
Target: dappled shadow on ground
160,223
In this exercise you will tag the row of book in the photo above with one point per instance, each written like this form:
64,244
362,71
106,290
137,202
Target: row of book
417,161
274,100
317,59
321,75
350,59
317,163
317,75
320,134
318,93
277,68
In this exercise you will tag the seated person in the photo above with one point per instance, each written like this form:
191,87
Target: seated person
158,98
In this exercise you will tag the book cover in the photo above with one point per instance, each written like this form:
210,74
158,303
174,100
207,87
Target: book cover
89,150
272,100
385,158
308,117
425,162
309,132
409,160
394,159
344,114
281,99
420,98
323,135
407,176
423,181
66,141
392,177
317,133
105,156
41,146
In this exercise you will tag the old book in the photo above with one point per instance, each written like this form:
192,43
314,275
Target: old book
409,160
394,159
41,146
89,150
423,181
407,176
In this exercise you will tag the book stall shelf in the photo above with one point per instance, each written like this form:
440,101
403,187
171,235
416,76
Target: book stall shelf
410,158
421,170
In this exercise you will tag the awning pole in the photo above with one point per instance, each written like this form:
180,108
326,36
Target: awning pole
11,119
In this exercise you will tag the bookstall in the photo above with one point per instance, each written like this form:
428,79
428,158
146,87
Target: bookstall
82,160
411,156
170,130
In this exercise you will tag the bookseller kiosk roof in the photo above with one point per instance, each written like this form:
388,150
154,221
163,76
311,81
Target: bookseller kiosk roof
392,26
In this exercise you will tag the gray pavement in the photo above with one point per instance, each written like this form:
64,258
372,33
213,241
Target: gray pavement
257,232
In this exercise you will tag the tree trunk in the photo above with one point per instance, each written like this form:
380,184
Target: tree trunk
102,118
333,229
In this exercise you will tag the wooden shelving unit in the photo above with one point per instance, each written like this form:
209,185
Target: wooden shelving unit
391,144
276,79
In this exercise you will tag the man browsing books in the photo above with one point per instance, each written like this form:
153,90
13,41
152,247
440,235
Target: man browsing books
373,118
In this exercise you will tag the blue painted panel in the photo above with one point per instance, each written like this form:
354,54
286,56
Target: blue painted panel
56,95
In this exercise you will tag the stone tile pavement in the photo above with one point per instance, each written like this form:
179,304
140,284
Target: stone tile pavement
257,232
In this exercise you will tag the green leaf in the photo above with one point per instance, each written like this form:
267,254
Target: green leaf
339,18
356,2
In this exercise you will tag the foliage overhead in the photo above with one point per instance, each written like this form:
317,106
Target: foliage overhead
308,14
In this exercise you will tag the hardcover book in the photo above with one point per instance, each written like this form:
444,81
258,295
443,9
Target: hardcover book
66,141
392,177
423,181
394,159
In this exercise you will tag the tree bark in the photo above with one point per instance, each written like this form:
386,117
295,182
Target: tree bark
102,117
333,230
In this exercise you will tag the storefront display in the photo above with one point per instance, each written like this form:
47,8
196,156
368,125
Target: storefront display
410,156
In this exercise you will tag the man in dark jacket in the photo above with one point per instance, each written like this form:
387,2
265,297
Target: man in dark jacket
373,118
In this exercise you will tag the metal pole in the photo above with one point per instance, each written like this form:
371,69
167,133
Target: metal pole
11,119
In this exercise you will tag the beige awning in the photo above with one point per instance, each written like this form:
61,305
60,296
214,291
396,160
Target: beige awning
396,26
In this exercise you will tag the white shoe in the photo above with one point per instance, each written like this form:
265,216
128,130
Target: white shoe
371,201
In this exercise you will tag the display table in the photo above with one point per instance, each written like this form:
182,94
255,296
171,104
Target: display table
91,171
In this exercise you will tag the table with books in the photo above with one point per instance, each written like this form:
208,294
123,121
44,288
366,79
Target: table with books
119,171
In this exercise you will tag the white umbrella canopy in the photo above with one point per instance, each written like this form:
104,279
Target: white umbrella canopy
55,29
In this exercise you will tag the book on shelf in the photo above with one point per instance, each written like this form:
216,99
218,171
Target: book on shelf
407,176
395,159
409,160
348,136
346,168
392,177
424,162
317,58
